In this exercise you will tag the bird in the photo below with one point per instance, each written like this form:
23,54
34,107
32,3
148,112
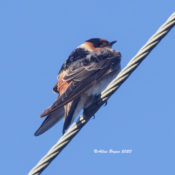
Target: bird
83,76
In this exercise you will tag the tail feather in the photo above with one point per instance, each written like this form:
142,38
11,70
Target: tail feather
50,121
70,109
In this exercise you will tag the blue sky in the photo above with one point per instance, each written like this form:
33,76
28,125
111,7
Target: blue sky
35,39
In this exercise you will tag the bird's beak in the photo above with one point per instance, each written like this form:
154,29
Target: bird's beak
111,43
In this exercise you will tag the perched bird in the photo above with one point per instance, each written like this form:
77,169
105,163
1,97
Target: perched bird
83,76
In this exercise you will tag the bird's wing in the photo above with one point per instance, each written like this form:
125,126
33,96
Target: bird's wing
84,73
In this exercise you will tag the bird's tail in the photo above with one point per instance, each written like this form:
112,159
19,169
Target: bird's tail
50,121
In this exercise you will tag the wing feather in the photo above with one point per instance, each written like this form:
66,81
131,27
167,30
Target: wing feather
84,73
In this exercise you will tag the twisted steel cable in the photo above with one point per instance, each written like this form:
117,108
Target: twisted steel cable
112,87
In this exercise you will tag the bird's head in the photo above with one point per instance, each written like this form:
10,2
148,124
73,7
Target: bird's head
97,43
